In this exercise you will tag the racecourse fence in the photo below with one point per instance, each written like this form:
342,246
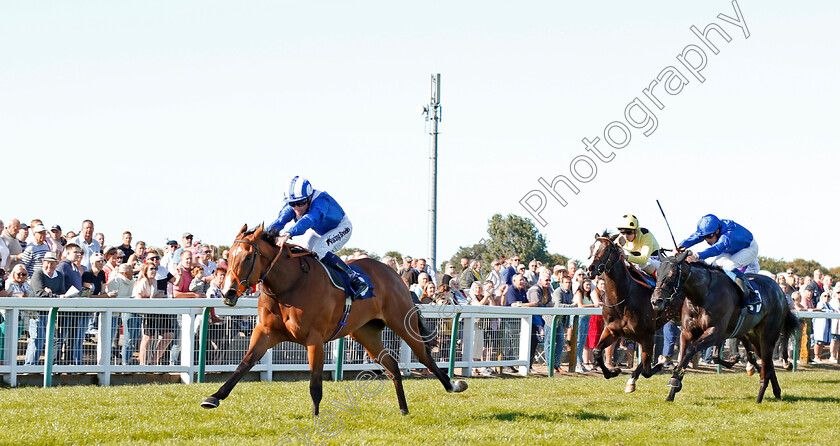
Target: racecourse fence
176,336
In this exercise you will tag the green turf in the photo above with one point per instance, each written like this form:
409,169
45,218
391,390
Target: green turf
569,410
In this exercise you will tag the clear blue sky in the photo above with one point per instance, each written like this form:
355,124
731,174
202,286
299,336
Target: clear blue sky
164,117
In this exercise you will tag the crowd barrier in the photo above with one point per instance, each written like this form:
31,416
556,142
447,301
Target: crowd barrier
193,347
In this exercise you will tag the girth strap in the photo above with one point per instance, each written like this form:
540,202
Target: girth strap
348,303
740,322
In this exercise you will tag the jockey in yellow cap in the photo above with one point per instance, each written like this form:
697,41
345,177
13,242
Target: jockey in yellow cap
639,244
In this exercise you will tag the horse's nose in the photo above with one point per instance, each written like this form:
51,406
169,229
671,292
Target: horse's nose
656,301
230,298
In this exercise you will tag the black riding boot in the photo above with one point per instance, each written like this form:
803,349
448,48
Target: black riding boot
749,293
356,282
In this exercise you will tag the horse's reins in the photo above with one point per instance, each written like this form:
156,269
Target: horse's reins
678,286
247,280
602,269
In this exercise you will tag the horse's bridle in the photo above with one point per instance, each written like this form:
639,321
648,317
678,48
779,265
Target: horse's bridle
602,268
677,288
242,285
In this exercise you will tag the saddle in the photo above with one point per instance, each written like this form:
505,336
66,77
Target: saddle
641,277
337,278
750,296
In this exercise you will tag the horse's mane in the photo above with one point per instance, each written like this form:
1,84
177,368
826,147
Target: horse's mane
699,264
708,267
268,236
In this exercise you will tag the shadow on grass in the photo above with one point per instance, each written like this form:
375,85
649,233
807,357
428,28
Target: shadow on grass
829,381
518,416
819,399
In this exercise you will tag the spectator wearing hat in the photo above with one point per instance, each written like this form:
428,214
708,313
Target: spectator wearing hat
9,236
46,282
186,244
22,235
55,240
557,275
34,252
167,261
86,241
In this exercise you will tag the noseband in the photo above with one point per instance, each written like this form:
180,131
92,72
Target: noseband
242,285
602,266
677,289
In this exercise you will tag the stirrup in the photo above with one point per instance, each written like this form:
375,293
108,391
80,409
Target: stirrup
359,286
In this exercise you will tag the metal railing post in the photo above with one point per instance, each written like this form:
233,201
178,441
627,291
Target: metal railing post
339,360
550,330
50,347
453,343
573,343
202,344
797,344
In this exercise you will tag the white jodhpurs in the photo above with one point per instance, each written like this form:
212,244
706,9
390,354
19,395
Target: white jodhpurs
330,241
746,257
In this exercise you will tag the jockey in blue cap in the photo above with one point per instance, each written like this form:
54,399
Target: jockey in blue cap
313,220
733,248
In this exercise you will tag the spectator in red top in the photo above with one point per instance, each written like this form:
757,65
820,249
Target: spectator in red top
183,277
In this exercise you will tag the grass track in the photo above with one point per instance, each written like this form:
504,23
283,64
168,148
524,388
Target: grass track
711,409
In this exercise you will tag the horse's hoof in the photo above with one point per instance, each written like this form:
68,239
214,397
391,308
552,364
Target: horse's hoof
210,403
788,366
750,370
458,386
403,411
675,385
630,387
614,372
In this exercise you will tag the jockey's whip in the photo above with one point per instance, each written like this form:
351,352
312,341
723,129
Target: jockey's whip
669,226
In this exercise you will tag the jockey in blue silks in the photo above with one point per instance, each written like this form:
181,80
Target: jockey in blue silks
733,248
313,220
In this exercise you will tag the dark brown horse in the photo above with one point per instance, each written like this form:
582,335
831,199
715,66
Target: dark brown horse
627,311
299,304
716,304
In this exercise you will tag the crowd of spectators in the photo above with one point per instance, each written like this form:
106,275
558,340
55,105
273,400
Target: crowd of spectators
509,282
40,262
37,262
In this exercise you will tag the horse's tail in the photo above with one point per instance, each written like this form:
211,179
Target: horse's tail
790,325
429,337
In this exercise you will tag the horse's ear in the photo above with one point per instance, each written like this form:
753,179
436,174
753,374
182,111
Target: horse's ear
244,228
613,237
681,256
259,229
597,235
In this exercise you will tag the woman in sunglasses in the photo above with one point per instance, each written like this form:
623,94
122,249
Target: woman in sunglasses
314,220
639,244
733,248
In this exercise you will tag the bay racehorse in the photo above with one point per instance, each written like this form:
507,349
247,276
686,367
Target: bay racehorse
626,309
716,302
298,303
